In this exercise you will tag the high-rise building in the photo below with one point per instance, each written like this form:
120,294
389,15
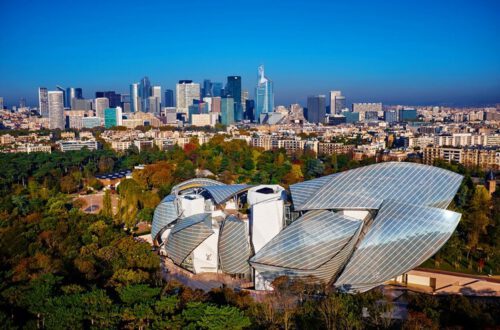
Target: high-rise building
233,90
56,110
81,104
197,108
249,110
43,102
340,103
244,98
390,116
71,94
407,115
264,95
154,105
145,93
135,103
156,93
217,89
1,103
186,92
207,88
61,89
351,117
215,104
169,98
100,104
227,111
337,102
112,117
112,96
316,109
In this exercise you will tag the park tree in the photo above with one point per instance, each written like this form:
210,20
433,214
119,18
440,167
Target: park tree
478,217
107,207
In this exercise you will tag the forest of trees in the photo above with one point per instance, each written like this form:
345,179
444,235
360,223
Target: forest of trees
62,268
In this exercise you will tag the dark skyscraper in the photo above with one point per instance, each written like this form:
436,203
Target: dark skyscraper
145,93
72,93
233,90
59,88
112,96
207,88
217,89
169,98
249,109
316,109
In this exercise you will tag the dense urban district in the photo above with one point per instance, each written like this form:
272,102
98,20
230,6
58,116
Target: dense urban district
81,179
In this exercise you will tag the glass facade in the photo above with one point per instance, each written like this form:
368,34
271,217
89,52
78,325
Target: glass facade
354,230
234,249
186,235
264,95
227,111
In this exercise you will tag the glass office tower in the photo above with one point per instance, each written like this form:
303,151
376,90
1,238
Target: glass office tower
264,95
233,89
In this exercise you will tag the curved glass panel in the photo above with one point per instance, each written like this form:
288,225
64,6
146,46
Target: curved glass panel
309,242
187,234
222,193
401,237
234,248
165,213
367,187
195,183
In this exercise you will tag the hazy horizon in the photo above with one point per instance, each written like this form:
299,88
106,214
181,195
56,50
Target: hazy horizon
391,52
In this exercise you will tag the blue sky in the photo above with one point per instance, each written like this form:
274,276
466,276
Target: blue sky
413,52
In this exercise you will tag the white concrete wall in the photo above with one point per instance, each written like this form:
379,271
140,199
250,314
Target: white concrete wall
192,206
254,197
267,222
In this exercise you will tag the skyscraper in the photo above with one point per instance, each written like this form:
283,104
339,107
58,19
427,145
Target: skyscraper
207,88
227,111
316,109
215,104
56,110
340,103
72,93
43,102
186,92
145,93
112,117
217,89
59,88
135,104
169,98
264,95
390,116
101,103
1,103
233,89
112,96
249,110
336,102
156,93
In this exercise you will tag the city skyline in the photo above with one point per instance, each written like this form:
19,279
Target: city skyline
389,52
